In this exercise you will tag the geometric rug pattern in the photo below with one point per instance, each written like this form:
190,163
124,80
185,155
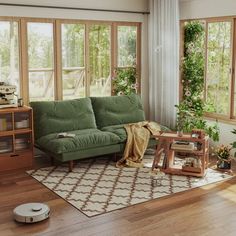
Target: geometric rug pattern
96,186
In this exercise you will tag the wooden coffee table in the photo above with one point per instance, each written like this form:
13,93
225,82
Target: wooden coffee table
165,141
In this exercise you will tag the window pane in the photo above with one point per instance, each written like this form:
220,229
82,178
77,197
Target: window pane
40,60
218,66
99,60
9,53
127,40
73,61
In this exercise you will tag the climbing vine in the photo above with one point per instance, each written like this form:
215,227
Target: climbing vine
124,82
191,109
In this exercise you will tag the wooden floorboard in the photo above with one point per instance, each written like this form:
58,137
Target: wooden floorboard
206,211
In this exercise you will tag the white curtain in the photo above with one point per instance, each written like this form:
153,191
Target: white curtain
163,61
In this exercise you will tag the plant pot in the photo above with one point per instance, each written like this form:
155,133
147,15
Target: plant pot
180,133
223,164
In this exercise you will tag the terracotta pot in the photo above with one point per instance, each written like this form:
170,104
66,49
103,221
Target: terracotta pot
180,133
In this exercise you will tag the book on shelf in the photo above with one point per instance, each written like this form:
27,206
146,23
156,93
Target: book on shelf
182,145
3,124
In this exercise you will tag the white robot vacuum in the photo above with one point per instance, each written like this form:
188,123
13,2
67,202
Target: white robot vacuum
31,212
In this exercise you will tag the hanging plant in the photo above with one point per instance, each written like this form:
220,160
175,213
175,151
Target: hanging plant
124,82
191,109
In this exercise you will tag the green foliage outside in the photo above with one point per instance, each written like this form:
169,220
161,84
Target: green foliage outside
127,37
124,82
9,53
40,45
218,66
99,51
191,109
73,45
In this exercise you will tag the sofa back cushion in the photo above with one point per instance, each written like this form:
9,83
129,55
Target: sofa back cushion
62,116
117,110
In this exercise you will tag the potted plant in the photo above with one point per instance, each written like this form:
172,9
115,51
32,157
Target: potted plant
192,107
224,157
124,82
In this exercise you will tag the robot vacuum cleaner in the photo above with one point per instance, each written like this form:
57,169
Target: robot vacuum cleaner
31,212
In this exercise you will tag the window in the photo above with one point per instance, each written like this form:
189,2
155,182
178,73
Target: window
127,64
220,62
100,60
218,76
40,61
127,39
9,53
73,66
66,59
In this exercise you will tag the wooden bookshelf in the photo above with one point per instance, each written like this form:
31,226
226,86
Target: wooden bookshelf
201,154
16,138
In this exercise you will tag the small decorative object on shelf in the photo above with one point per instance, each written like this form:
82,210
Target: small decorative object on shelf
8,98
180,133
20,102
192,164
198,133
224,157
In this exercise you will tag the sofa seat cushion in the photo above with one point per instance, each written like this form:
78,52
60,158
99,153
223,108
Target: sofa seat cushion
118,130
84,139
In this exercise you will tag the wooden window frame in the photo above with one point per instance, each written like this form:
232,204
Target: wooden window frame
57,41
231,117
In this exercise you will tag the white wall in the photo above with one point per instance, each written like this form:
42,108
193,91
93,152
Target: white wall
193,9
131,5
128,5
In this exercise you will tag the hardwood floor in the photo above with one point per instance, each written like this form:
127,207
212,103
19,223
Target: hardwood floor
206,211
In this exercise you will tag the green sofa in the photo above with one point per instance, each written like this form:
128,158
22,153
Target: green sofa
97,122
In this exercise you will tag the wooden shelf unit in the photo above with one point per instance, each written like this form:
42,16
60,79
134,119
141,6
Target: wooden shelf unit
16,138
165,141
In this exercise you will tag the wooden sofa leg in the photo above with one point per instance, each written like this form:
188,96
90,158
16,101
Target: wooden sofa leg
71,165
52,160
115,157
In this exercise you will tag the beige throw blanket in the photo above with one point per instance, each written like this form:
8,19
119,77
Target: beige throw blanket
138,135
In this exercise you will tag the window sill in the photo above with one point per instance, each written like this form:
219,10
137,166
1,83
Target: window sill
221,119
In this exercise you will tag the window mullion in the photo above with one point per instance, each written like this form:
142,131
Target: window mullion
206,62
24,61
233,61
57,60
87,72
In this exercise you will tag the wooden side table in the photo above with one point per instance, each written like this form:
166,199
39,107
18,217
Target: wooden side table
165,146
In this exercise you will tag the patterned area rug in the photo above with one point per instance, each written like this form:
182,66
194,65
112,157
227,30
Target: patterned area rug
96,186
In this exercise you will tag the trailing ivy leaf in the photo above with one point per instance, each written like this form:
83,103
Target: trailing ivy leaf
191,109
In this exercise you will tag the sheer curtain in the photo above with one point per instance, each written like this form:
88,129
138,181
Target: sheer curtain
163,61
